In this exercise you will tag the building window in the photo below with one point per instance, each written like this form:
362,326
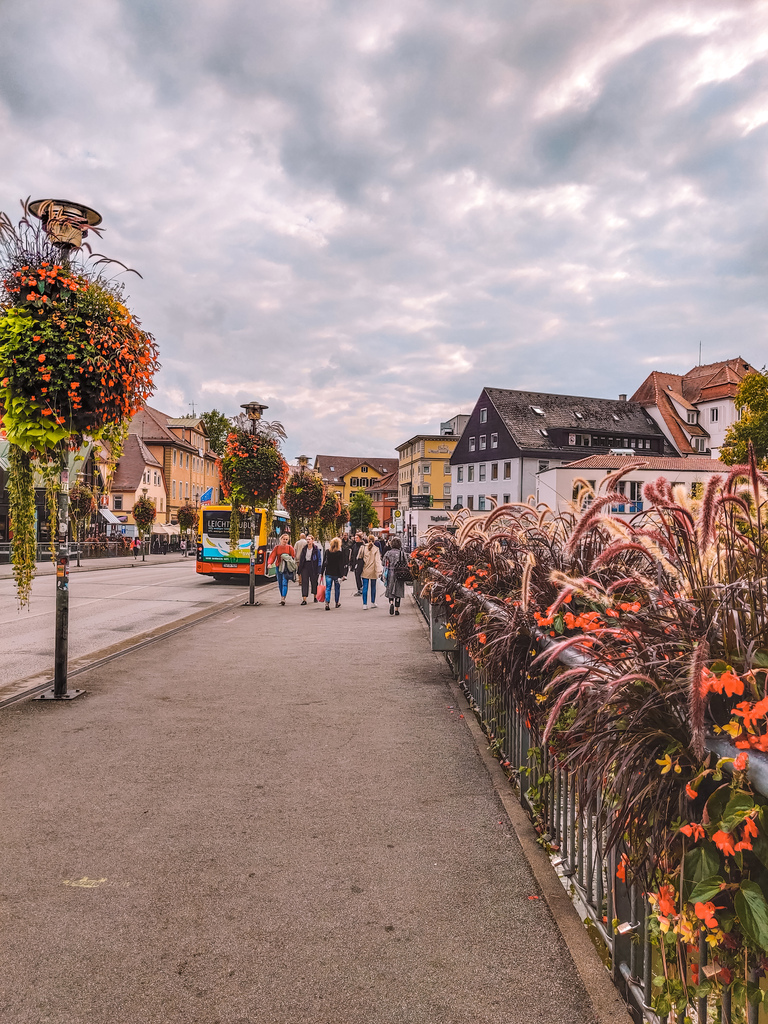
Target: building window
364,481
446,469
186,488
481,503
354,481
471,444
173,489
459,474
426,469
543,464
174,456
507,470
118,503
713,414
481,474
470,503
494,471
470,473
363,469
693,416
505,499
426,489
446,490
460,500
483,415
494,440
495,497
482,442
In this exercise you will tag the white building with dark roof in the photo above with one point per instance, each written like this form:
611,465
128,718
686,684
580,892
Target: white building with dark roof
511,436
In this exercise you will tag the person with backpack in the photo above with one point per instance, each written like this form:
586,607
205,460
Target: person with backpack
333,570
395,589
355,562
283,557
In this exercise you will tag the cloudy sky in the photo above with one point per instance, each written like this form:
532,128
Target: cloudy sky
361,212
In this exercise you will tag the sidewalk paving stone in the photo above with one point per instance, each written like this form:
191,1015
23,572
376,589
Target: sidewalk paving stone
274,817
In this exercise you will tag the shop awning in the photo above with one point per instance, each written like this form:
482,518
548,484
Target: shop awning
110,517
165,529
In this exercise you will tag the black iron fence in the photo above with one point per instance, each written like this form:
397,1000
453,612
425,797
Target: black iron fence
615,913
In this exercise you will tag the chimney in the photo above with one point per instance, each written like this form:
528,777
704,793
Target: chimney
622,398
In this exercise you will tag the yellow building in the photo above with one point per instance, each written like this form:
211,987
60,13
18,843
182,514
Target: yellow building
424,469
346,474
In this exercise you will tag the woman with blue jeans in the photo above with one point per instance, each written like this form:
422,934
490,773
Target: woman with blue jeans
371,557
333,570
276,559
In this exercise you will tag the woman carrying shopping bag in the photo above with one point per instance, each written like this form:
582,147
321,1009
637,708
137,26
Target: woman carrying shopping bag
309,568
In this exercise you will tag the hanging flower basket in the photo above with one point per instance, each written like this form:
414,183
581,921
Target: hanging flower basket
144,513
252,471
187,517
304,494
73,361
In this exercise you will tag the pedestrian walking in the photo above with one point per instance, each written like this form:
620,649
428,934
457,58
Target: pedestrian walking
183,547
382,543
301,543
283,557
346,548
309,568
395,589
333,570
135,547
371,570
356,563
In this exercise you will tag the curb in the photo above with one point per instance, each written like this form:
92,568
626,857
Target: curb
607,1004
33,685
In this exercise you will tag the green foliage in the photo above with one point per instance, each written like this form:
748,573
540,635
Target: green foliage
82,503
362,514
21,492
752,401
187,517
144,513
218,427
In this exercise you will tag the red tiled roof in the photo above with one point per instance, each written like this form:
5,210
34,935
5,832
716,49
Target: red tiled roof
134,460
651,462
715,380
333,467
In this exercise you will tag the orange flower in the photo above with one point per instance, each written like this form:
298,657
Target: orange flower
621,870
741,762
41,358
71,355
706,913
693,829
690,791
667,900
731,683
724,841
481,637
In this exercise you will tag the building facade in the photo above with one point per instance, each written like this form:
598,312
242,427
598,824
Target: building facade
424,466
695,409
138,473
512,436
346,474
188,464
558,487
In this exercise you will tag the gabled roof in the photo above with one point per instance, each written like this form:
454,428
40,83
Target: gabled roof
134,460
390,482
154,427
518,410
651,462
715,380
333,468
663,390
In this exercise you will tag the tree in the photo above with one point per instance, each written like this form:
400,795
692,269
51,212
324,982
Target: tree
362,514
217,426
752,402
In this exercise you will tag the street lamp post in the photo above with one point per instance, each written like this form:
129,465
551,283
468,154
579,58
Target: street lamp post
253,411
67,225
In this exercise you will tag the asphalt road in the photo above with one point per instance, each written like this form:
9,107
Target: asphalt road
106,607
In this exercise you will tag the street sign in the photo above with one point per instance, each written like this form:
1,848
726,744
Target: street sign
421,501
206,497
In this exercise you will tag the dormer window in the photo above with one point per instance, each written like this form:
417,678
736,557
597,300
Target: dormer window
544,432
615,417
693,416
578,416
537,410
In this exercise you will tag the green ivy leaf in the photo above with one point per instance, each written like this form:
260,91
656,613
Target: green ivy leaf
753,913
717,803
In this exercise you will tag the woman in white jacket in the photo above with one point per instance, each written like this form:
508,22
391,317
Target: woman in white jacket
371,558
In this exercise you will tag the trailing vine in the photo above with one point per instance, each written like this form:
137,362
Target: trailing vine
21,492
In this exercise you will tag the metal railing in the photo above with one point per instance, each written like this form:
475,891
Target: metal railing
615,913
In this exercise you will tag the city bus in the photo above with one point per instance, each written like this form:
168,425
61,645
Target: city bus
214,557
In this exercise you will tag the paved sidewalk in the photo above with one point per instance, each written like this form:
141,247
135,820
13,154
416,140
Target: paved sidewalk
277,817
47,568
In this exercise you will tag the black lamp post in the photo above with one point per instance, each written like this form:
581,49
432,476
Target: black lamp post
253,411
66,224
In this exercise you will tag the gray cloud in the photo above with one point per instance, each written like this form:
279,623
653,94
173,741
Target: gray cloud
363,213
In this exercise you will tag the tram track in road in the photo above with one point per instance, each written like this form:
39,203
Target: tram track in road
37,684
